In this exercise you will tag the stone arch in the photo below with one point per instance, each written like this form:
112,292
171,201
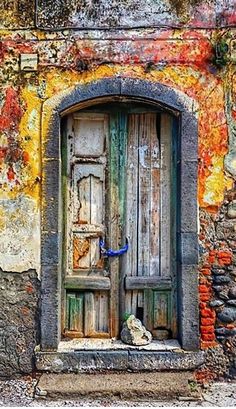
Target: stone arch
184,109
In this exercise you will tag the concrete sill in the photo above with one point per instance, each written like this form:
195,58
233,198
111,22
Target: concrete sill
104,355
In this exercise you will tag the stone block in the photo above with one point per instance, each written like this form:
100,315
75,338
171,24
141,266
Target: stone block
50,248
188,248
51,145
154,91
50,307
164,361
188,198
51,179
85,92
50,216
189,140
188,313
82,361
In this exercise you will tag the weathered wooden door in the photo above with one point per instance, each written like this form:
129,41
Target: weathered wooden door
117,187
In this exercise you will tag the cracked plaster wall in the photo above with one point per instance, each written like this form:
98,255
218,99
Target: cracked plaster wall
178,52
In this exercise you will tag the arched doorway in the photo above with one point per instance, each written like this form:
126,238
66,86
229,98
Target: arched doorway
166,102
119,178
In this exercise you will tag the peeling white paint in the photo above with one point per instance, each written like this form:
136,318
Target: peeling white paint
19,234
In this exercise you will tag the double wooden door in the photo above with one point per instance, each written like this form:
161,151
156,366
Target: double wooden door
116,183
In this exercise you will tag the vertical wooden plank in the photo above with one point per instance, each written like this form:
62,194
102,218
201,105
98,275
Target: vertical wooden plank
161,308
101,309
96,200
148,309
117,195
82,200
166,147
89,314
154,199
96,216
75,312
144,184
114,232
95,253
129,260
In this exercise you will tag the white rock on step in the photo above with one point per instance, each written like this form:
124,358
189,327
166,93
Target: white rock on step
134,332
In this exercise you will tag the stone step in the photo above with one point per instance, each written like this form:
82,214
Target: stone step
92,361
158,385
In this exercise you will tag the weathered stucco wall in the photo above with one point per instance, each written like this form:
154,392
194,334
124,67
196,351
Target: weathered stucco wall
190,49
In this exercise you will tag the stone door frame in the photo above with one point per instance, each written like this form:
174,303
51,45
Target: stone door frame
115,89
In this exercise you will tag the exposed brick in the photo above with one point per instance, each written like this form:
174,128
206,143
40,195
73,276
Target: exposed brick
203,289
208,337
224,257
207,329
205,297
208,313
207,321
211,259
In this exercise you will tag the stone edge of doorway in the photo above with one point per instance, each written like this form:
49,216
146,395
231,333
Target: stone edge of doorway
171,100
92,361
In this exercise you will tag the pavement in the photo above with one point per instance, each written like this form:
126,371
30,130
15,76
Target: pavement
138,391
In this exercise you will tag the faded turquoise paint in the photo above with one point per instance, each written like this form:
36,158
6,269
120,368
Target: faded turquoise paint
118,159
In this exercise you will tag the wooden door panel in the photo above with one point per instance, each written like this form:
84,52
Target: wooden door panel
86,252
87,280
90,133
87,314
148,286
75,313
88,193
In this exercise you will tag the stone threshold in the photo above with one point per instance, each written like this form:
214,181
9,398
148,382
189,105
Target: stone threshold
79,357
95,344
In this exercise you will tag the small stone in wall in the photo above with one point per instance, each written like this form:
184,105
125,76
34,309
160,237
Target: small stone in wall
227,315
232,292
232,303
231,213
221,279
216,303
218,271
225,332
134,333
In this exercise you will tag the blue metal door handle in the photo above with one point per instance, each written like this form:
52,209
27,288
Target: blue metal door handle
113,253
